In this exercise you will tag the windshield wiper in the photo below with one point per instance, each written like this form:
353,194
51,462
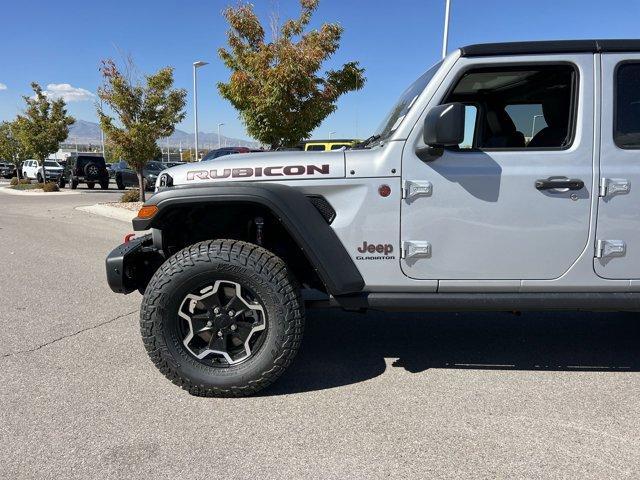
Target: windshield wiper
365,143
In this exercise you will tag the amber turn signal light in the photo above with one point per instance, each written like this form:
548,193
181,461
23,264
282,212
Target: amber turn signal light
147,211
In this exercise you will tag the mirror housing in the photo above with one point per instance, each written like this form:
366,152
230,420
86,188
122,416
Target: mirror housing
444,125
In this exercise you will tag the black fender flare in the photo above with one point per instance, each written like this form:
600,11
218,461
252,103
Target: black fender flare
292,208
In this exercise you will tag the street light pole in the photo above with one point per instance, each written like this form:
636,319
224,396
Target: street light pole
219,138
445,39
196,65
533,126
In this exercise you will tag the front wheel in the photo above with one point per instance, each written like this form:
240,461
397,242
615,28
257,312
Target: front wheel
222,318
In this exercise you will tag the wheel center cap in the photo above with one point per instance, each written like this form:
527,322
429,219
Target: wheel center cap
223,320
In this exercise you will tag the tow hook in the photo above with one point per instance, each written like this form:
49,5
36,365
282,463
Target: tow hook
128,237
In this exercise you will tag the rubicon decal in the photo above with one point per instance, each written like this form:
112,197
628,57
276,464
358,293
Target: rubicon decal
373,251
254,172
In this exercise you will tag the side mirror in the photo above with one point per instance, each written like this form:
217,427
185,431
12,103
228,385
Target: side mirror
444,125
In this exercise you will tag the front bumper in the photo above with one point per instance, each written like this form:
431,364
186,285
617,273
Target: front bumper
131,265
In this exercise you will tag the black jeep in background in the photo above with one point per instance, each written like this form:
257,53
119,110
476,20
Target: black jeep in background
7,170
85,168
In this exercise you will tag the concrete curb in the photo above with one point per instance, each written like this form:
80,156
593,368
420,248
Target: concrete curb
109,212
10,191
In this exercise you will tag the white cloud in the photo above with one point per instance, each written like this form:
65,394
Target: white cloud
68,93
3,86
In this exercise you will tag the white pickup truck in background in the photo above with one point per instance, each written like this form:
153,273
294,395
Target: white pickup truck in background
32,169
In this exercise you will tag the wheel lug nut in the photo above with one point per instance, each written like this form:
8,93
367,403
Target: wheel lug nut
216,310
233,327
231,313
219,333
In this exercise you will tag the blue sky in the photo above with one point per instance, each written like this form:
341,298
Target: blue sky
63,42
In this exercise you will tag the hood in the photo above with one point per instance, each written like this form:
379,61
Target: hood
258,167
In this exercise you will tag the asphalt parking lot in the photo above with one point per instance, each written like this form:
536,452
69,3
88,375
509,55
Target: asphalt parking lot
370,396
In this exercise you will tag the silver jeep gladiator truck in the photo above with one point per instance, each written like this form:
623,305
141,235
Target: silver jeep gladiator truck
502,179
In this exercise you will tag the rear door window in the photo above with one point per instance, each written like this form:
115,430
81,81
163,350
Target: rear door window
626,131
83,160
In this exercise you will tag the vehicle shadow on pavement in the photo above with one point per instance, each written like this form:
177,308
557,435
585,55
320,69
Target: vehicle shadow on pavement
344,348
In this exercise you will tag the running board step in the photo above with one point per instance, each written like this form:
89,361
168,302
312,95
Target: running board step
438,302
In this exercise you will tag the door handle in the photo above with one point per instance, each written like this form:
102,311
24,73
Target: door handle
553,183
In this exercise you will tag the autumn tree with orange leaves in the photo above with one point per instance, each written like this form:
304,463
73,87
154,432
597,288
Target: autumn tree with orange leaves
276,85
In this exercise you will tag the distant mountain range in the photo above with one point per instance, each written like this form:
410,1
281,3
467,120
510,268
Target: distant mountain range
85,133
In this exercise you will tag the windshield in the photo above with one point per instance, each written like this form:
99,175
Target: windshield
394,118
51,163
84,159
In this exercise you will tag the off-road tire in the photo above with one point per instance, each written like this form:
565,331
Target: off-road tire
61,182
104,185
90,185
119,183
254,268
73,183
39,178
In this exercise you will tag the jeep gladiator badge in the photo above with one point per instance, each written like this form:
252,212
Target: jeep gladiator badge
383,251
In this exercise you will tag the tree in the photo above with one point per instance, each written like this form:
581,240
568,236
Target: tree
186,156
43,125
146,111
275,85
11,149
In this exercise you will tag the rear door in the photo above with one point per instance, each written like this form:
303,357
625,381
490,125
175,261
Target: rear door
618,227
129,177
31,169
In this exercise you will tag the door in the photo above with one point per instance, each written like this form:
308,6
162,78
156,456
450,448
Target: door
618,226
512,201
32,166
129,177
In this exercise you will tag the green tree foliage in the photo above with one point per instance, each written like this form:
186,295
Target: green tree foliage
275,85
146,111
186,156
11,150
43,125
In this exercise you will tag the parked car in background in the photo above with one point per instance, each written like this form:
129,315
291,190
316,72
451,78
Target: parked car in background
85,168
110,169
221,152
7,170
125,176
327,145
32,169
173,164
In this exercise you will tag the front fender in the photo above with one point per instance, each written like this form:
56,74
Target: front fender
292,208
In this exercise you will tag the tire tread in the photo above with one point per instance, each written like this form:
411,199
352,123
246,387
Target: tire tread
265,264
